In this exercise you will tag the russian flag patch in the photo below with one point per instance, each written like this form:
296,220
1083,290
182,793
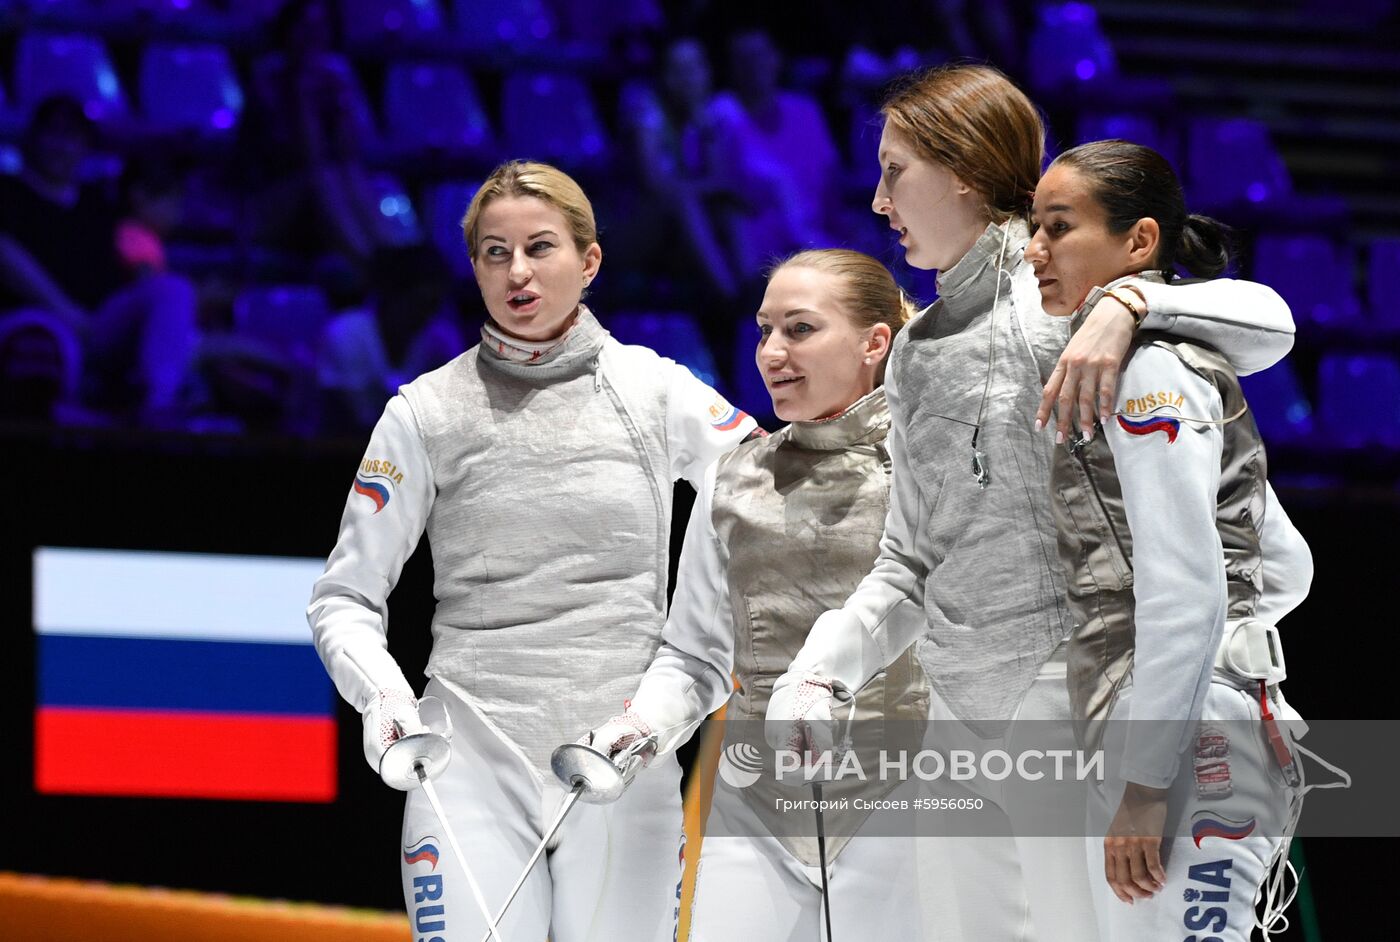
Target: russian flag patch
1156,423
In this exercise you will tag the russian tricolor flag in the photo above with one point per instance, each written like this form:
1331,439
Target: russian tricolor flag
179,675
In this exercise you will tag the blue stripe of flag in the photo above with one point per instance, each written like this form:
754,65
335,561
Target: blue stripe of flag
163,674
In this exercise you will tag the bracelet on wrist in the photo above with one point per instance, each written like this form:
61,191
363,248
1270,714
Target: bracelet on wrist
1130,286
1137,310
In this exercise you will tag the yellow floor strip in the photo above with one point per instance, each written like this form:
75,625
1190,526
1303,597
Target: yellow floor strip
50,909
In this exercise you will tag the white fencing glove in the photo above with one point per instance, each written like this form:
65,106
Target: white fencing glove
391,715
799,714
618,733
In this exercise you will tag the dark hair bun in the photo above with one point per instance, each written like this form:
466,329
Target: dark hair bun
1204,250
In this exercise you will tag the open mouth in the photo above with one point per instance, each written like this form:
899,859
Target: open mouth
782,382
523,302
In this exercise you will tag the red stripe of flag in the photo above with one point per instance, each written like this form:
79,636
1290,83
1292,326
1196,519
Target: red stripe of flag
184,755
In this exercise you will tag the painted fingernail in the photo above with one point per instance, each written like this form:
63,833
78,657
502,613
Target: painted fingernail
1039,425
1059,437
1088,434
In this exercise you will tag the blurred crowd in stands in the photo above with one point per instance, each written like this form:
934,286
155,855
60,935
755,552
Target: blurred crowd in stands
239,217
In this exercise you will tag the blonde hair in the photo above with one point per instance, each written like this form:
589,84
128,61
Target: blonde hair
868,291
543,182
972,120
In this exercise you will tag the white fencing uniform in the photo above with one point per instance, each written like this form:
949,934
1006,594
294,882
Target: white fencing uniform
982,562
612,872
545,491
750,886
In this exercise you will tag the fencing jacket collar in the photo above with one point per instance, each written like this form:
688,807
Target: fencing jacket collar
574,354
964,290
865,419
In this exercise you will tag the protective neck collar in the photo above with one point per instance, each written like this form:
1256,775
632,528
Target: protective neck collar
574,353
968,288
858,422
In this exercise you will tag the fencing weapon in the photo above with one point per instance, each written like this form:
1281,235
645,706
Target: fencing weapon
845,746
413,761
592,778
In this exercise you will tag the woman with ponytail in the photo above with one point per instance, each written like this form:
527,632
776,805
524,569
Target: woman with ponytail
970,536
1161,519
783,528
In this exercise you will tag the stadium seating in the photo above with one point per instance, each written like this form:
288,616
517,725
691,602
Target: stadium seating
1068,47
1359,400
190,88
552,117
433,106
1138,128
288,318
1231,161
68,63
496,23
369,25
1280,408
1383,282
446,204
1314,275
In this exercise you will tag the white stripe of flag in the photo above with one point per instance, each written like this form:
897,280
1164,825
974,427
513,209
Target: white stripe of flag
198,596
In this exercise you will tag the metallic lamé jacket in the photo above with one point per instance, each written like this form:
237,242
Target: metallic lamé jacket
800,515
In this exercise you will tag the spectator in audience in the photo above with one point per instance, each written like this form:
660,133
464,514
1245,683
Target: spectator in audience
987,29
38,366
153,194
408,327
59,253
787,154
306,132
671,134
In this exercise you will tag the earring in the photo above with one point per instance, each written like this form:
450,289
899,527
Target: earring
867,361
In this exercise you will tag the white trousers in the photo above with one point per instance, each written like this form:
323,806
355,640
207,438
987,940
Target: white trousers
749,886
1213,877
612,873
1005,884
